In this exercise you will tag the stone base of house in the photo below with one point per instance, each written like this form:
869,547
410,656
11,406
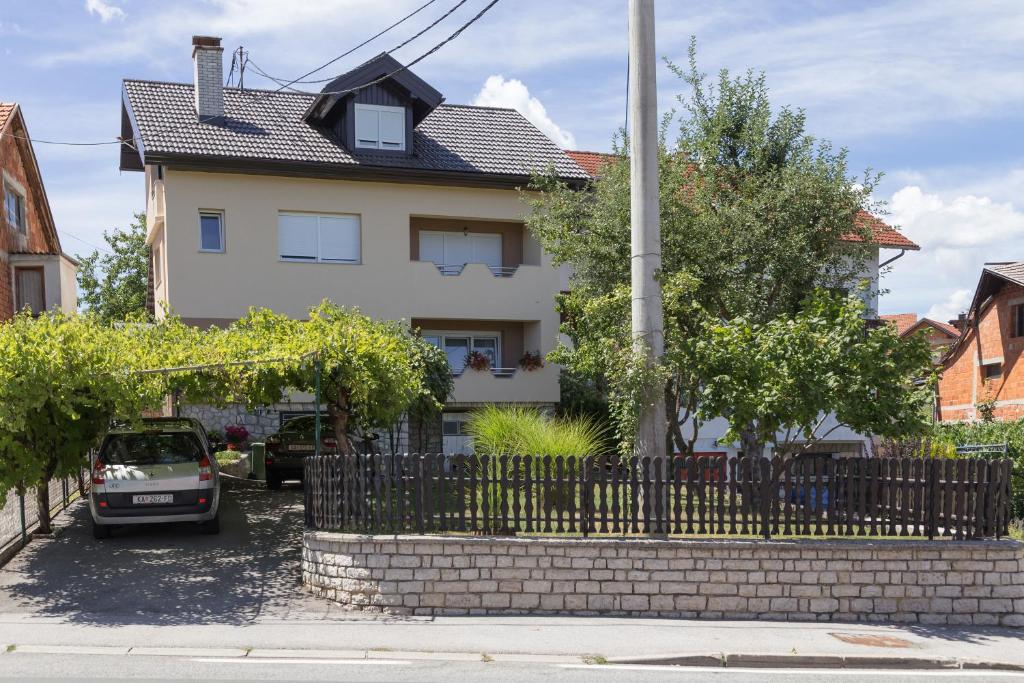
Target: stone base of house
938,582
261,422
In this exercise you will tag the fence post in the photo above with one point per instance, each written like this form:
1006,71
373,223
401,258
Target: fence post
766,502
931,485
24,528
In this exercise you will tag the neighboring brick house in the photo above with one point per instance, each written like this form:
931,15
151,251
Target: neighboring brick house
373,193
983,367
940,335
34,272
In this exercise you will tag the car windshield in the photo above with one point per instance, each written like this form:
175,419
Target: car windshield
151,449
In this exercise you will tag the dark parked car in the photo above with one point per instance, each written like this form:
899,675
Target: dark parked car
292,443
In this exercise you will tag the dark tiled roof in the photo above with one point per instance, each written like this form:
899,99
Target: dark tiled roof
269,127
1008,271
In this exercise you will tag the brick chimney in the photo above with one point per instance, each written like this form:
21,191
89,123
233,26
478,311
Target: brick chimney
208,77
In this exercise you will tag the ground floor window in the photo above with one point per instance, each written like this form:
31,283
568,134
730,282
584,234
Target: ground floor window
29,289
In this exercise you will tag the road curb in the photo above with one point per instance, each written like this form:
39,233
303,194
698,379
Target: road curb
815,661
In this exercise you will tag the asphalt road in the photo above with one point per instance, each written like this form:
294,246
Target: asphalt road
17,666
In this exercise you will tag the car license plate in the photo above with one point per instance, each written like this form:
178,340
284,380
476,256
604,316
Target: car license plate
153,499
301,447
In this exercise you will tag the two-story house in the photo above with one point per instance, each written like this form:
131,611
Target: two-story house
981,372
34,272
373,193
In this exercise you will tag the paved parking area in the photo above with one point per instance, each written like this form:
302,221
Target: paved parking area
170,574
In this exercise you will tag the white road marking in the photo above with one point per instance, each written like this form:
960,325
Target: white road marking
307,660
922,673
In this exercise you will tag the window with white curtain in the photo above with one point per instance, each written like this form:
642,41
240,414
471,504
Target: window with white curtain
319,238
456,249
380,127
29,289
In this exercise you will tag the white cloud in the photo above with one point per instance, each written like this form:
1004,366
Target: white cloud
513,93
958,231
956,303
104,10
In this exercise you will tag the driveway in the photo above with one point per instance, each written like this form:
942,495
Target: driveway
170,574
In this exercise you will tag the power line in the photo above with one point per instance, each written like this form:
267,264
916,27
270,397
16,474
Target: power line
368,40
423,56
270,94
281,81
86,242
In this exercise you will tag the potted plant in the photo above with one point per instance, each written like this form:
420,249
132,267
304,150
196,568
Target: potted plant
531,361
478,361
236,436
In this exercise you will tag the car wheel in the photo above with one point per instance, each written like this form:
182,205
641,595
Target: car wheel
273,482
100,531
211,526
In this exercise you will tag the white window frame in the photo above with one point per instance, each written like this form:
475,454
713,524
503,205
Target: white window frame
359,224
472,337
158,268
376,110
219,214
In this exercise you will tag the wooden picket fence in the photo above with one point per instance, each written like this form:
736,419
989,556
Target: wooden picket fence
679,496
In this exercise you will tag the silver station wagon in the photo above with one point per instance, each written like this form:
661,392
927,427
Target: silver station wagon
161,472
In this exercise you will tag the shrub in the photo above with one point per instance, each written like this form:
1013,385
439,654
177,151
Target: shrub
515,430
985,433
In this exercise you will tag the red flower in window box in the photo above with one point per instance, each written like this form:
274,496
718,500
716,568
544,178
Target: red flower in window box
478,361
531,361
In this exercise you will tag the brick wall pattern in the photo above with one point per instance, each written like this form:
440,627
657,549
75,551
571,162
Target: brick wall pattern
979,583
962,386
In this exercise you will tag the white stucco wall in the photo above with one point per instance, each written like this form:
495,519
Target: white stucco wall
387,284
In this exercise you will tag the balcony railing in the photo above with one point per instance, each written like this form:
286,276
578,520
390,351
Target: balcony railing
457,268
497,372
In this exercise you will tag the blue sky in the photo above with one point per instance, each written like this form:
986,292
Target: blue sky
930,92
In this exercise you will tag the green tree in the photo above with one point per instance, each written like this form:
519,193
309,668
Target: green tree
114,284
372,371
755,215
62,378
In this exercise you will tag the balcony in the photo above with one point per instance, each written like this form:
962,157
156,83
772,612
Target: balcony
506,385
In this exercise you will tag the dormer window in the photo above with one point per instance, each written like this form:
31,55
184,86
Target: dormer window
380,127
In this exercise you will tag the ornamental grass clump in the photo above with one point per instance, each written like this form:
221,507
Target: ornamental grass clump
515,430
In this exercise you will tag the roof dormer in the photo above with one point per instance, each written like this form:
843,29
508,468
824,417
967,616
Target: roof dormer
375,107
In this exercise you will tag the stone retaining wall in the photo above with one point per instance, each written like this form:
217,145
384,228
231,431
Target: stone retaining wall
940,582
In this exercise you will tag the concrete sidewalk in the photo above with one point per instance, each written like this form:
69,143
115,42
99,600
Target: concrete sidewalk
592,639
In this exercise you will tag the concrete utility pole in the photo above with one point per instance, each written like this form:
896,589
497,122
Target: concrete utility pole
648,324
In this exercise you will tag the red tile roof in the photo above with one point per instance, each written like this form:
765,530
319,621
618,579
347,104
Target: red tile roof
591,162
945,327
882,234
6,109
906,323
902,321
